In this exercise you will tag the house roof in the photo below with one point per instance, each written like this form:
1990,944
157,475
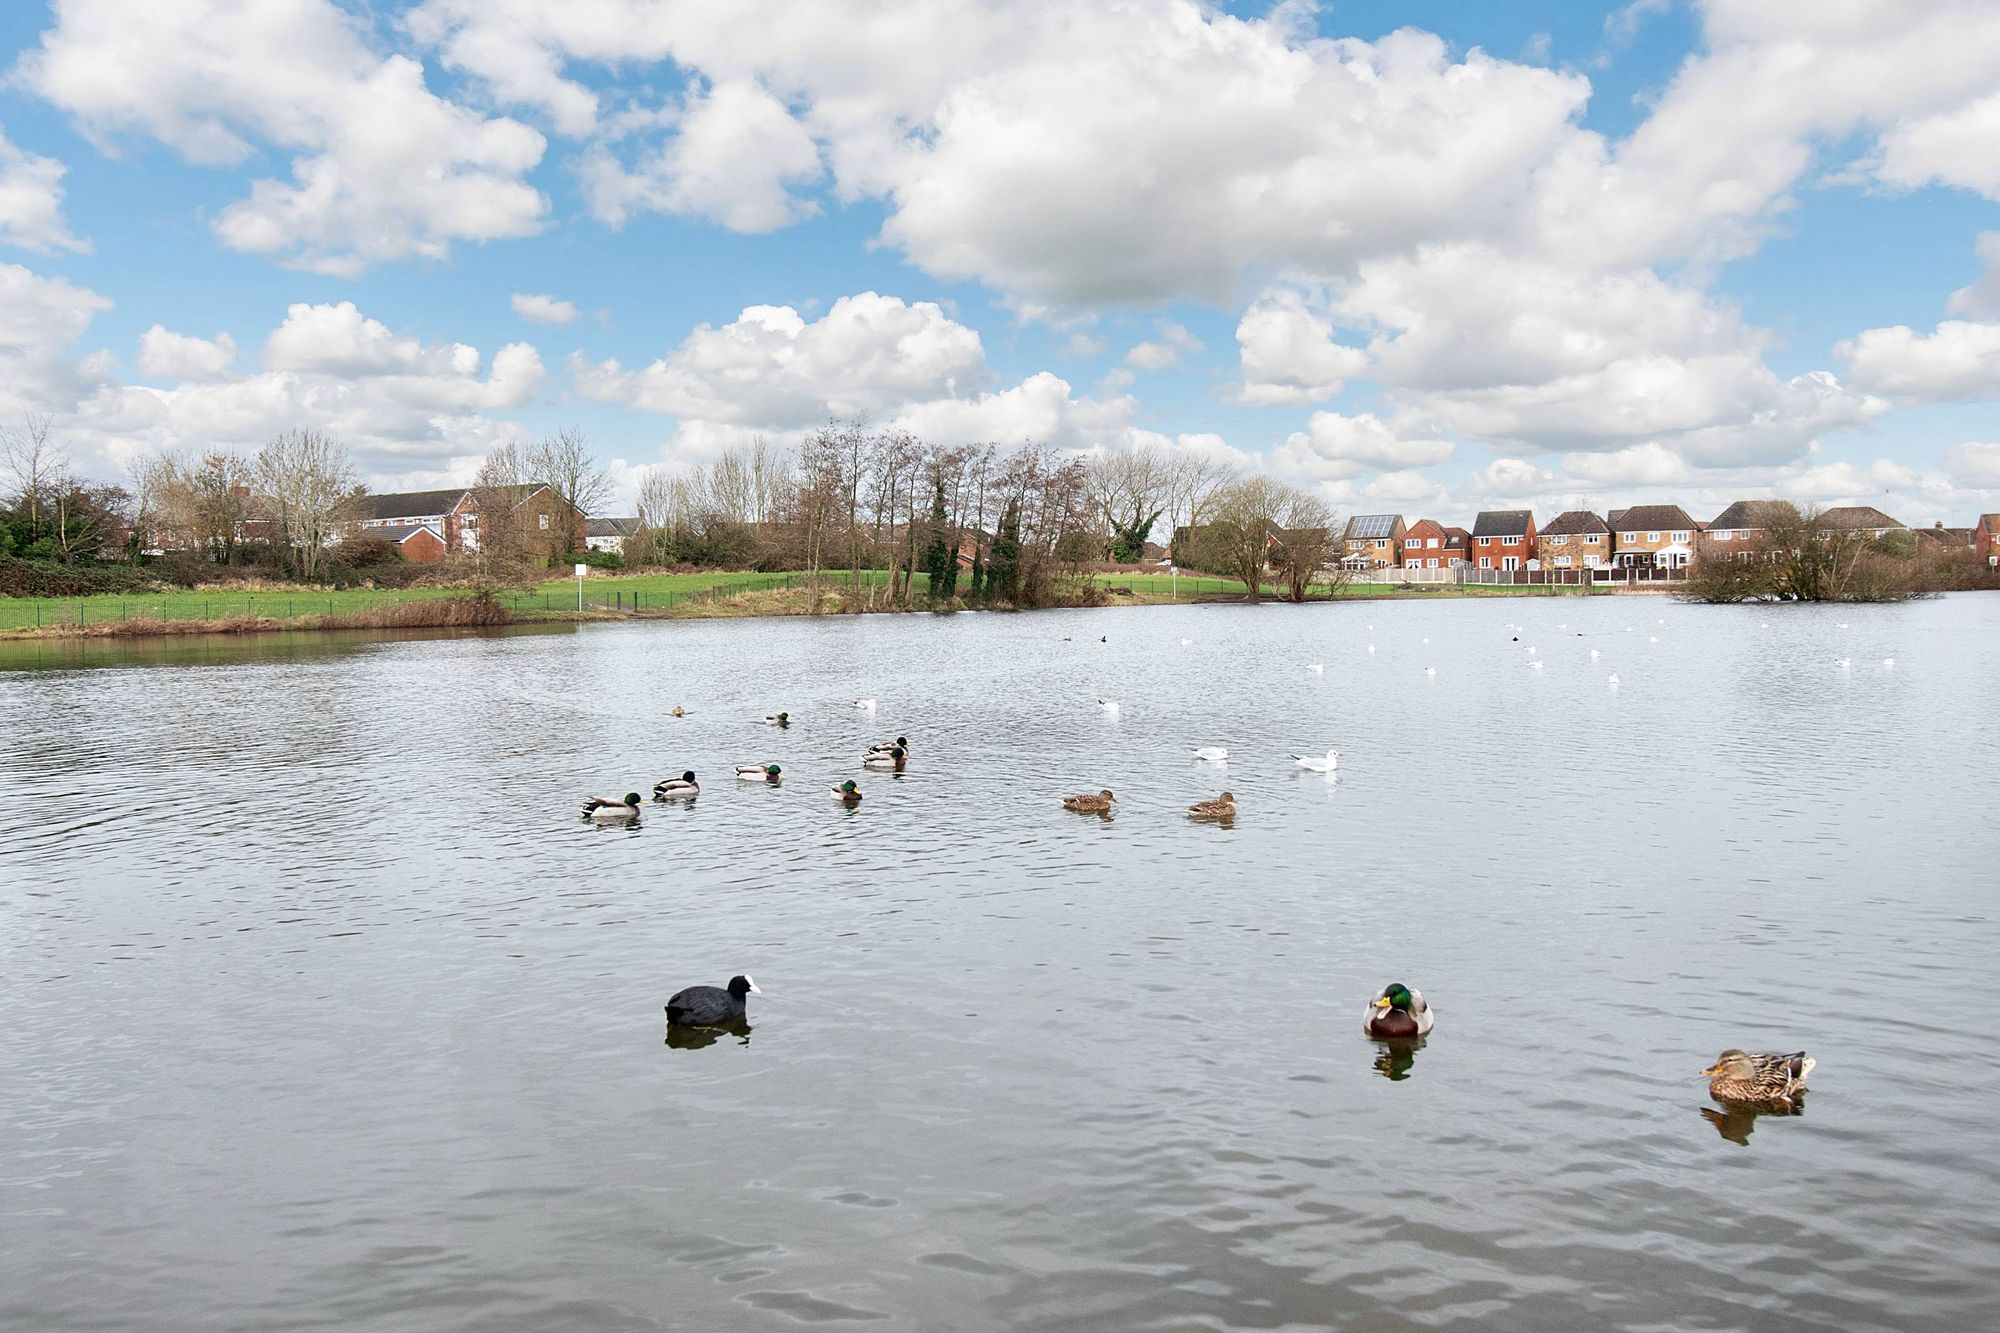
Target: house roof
1991,522
1857,516
1946,537
1503,522
401,504
1457,536
1655,518
1424,527
610,527
1746,515
1574,523
1363,526
398,533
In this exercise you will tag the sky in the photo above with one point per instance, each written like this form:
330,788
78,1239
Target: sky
1424,256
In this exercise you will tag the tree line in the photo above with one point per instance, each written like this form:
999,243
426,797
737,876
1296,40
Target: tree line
1798,556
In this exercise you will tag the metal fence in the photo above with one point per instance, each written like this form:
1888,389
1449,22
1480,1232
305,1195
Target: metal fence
1599,576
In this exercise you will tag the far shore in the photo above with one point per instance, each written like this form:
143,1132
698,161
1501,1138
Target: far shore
605,601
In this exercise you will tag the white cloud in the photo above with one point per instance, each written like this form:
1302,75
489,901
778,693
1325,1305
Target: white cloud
772,368
164,355
736,161
40,319
31,198
384,168
1167,350
1288,352
1533,353
1336,447
1958,362
1982,298
538,309
1974,463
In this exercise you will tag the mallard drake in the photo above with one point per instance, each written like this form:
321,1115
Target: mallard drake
604,810
1222,807
847,792
1397,1011
1775,1080
1086,804
777,719
883,747
1213,754
757,773
705,1006
675,789
892,757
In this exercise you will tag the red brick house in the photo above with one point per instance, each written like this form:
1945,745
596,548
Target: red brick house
454,515
1428,544
418,543
1503,539
1986,538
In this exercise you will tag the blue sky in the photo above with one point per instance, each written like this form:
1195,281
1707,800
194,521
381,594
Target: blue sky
1425,255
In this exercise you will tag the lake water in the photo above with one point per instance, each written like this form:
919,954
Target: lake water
323,1010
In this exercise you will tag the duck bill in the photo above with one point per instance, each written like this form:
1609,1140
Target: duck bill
1711,1071
1382,1002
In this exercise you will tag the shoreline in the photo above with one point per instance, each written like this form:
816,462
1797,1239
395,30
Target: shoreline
456,611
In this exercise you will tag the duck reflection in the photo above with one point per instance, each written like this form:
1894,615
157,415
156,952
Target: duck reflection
695,1038
1395,1057
1737,1121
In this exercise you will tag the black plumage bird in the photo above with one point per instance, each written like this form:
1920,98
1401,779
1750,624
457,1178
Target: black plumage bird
706,1006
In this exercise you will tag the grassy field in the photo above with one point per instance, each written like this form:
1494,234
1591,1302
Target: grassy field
646,594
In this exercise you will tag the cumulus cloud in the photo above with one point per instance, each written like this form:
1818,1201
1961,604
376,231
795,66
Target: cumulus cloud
771,367
1974,463
1288,352
1958,362
40,321
31,198
737,160
1173,343
539,309
165,355
383,168
1335,447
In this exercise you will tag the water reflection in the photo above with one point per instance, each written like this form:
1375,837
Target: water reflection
1737,1121
695,1038
1397,1056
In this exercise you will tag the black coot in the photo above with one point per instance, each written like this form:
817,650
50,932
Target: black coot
702,1006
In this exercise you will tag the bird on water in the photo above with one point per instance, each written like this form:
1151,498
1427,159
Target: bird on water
707,1006
1765,1080
604,810
1397,1012
1087,804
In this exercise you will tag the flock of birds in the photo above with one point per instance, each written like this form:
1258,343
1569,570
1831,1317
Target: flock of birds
1397,1013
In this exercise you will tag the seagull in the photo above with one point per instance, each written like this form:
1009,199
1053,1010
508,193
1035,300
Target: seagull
1613,680
1186,642
1531,650
1536,664
1628,629
865,705
1426,640
1326,765
1371,647
1841,625
1213,754
1765,625
1652,638
1430,671
1564,626
1888,661
1319,667
1107,705
1845,663
1593,654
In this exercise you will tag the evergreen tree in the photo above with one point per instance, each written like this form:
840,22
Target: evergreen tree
978,573
1003,572
940,561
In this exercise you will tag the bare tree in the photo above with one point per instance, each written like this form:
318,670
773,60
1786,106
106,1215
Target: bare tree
1238,538
33,461
1198,480
563,463
1131,490
1308,540
306,476
495,528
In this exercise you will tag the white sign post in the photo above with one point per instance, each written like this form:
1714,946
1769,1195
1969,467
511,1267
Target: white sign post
580,571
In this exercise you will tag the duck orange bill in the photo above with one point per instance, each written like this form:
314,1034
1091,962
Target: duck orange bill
1382,1002
1710,1072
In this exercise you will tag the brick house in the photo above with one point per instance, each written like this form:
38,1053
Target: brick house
454,514
418,543
1939,540
1503,538
1654,536
608,534
1373,541
1986,538
1428,544
1577,539
1739,530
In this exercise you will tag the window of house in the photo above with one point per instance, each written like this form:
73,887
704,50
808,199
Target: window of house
1433,541
1486,562
1381,543
1485,541
1562,562
1592,538
1511,562
544,520
1414,544
1652,536
1722,536
1680,536
1590,560
1433,562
